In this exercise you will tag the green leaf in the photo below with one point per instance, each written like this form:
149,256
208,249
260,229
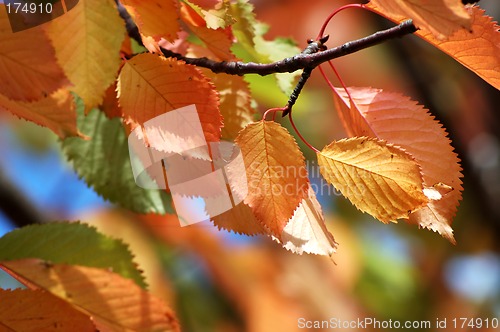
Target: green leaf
276,50
70,243
103,162
250,35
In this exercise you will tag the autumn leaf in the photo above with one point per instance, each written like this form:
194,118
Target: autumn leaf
215,13
113,302
56,112
240,220
110,104
439,17
25,74
218,41
276,174
376,177
235,102
400,121
156,18
306,231
149,86
478,50
87,41
51,242
36,310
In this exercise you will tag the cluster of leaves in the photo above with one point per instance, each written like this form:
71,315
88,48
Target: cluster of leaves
70,76
78,280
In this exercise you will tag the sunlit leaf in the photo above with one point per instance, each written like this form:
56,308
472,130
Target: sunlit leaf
249,33
377,178
215,13
240,219
218,41
103,162
478,50
35,310
235,103
306,231
28,66
400,121
150,86
276,174
70,243
114,303
87,41
156,18
440,17
56,112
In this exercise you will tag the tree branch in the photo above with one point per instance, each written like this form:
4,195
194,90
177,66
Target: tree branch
297,62
16,207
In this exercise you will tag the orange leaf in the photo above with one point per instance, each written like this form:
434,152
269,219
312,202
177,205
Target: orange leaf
276,174
35,310
114,303
88,40
376,177
478,50
306,231
109,104
149,86
156,18
240,219
235,102
440,17
400,121
28,66
218,41
56,112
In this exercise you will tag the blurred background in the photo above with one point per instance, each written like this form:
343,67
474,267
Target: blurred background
217,281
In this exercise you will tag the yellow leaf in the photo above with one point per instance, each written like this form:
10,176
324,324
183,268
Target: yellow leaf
149,86
88,40
28,66
440,17
400,121
156,18
35,310
56,112
306,231
376,177
114,303
218,41
276,174
478,50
